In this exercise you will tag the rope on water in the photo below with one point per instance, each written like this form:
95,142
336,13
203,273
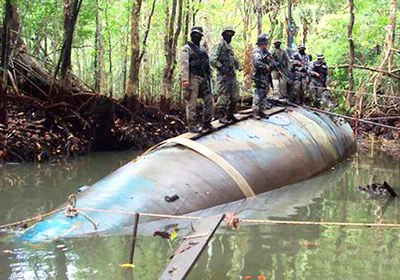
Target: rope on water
33,219
306,223
183,217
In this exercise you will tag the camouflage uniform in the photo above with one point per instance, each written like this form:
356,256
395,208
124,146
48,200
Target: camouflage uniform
300,67
280,79
318,90
261,78
224,60
195,68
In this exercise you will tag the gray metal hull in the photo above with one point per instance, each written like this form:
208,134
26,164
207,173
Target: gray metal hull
286,148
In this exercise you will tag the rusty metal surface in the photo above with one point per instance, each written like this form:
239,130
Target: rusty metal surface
288,147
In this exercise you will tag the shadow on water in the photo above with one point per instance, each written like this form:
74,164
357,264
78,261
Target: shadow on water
276,251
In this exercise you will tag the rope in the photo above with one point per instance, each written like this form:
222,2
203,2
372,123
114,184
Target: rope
235,175
248,221
349,118
359,92
71,211
36,218
166,216
383,118
94,223
183,217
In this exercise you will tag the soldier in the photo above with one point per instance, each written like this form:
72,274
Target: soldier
300,67
261,76
280,77
195,75
302,56
224,60
318,89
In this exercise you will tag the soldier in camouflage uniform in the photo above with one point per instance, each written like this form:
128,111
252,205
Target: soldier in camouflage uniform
318,90
261,76
224,60
195,75
300,66
279,76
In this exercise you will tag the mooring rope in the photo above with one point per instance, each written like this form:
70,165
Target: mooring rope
183,217
360,92
32,219
349,118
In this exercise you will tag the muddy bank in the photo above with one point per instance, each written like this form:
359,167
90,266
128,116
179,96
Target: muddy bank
37,131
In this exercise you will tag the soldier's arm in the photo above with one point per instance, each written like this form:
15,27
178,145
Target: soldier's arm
238,66
184,64
286,59
214,57
258,62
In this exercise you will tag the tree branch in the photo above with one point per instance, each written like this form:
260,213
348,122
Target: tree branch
390,74
146,34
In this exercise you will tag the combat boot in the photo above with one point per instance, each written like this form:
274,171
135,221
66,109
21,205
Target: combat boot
208,127
225,120
256,114
194,129
231,113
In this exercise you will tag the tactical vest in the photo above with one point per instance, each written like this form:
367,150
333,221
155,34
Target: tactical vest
261,77
322,70
304,59
199,63
226,57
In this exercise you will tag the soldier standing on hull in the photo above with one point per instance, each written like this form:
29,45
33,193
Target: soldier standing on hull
279,77
224,60
319,75
195,75
300,66
261,76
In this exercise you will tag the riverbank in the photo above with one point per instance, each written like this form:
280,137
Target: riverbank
375,138
36,131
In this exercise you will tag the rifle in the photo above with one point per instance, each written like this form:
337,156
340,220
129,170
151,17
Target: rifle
210,84
270,60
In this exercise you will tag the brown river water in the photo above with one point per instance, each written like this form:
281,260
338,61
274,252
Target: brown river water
270,251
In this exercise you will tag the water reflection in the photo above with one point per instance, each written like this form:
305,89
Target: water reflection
278,252
31,189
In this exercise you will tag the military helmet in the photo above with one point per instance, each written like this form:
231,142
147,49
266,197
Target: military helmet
301,47
277,41
320,56
263,39
228,29
197,29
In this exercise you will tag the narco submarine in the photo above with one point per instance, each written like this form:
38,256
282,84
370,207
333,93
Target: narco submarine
194,172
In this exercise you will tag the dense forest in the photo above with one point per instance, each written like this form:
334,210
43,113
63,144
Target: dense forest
106,67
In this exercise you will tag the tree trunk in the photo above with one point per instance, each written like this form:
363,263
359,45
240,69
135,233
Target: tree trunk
133,81
259,10
349,98
393,10
289,25
71,11
187,22
124,69
273,13
5,50
55,35
306,25
110,71
99,67
170,41
387,58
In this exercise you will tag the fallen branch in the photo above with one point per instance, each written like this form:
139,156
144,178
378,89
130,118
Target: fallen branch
390,74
